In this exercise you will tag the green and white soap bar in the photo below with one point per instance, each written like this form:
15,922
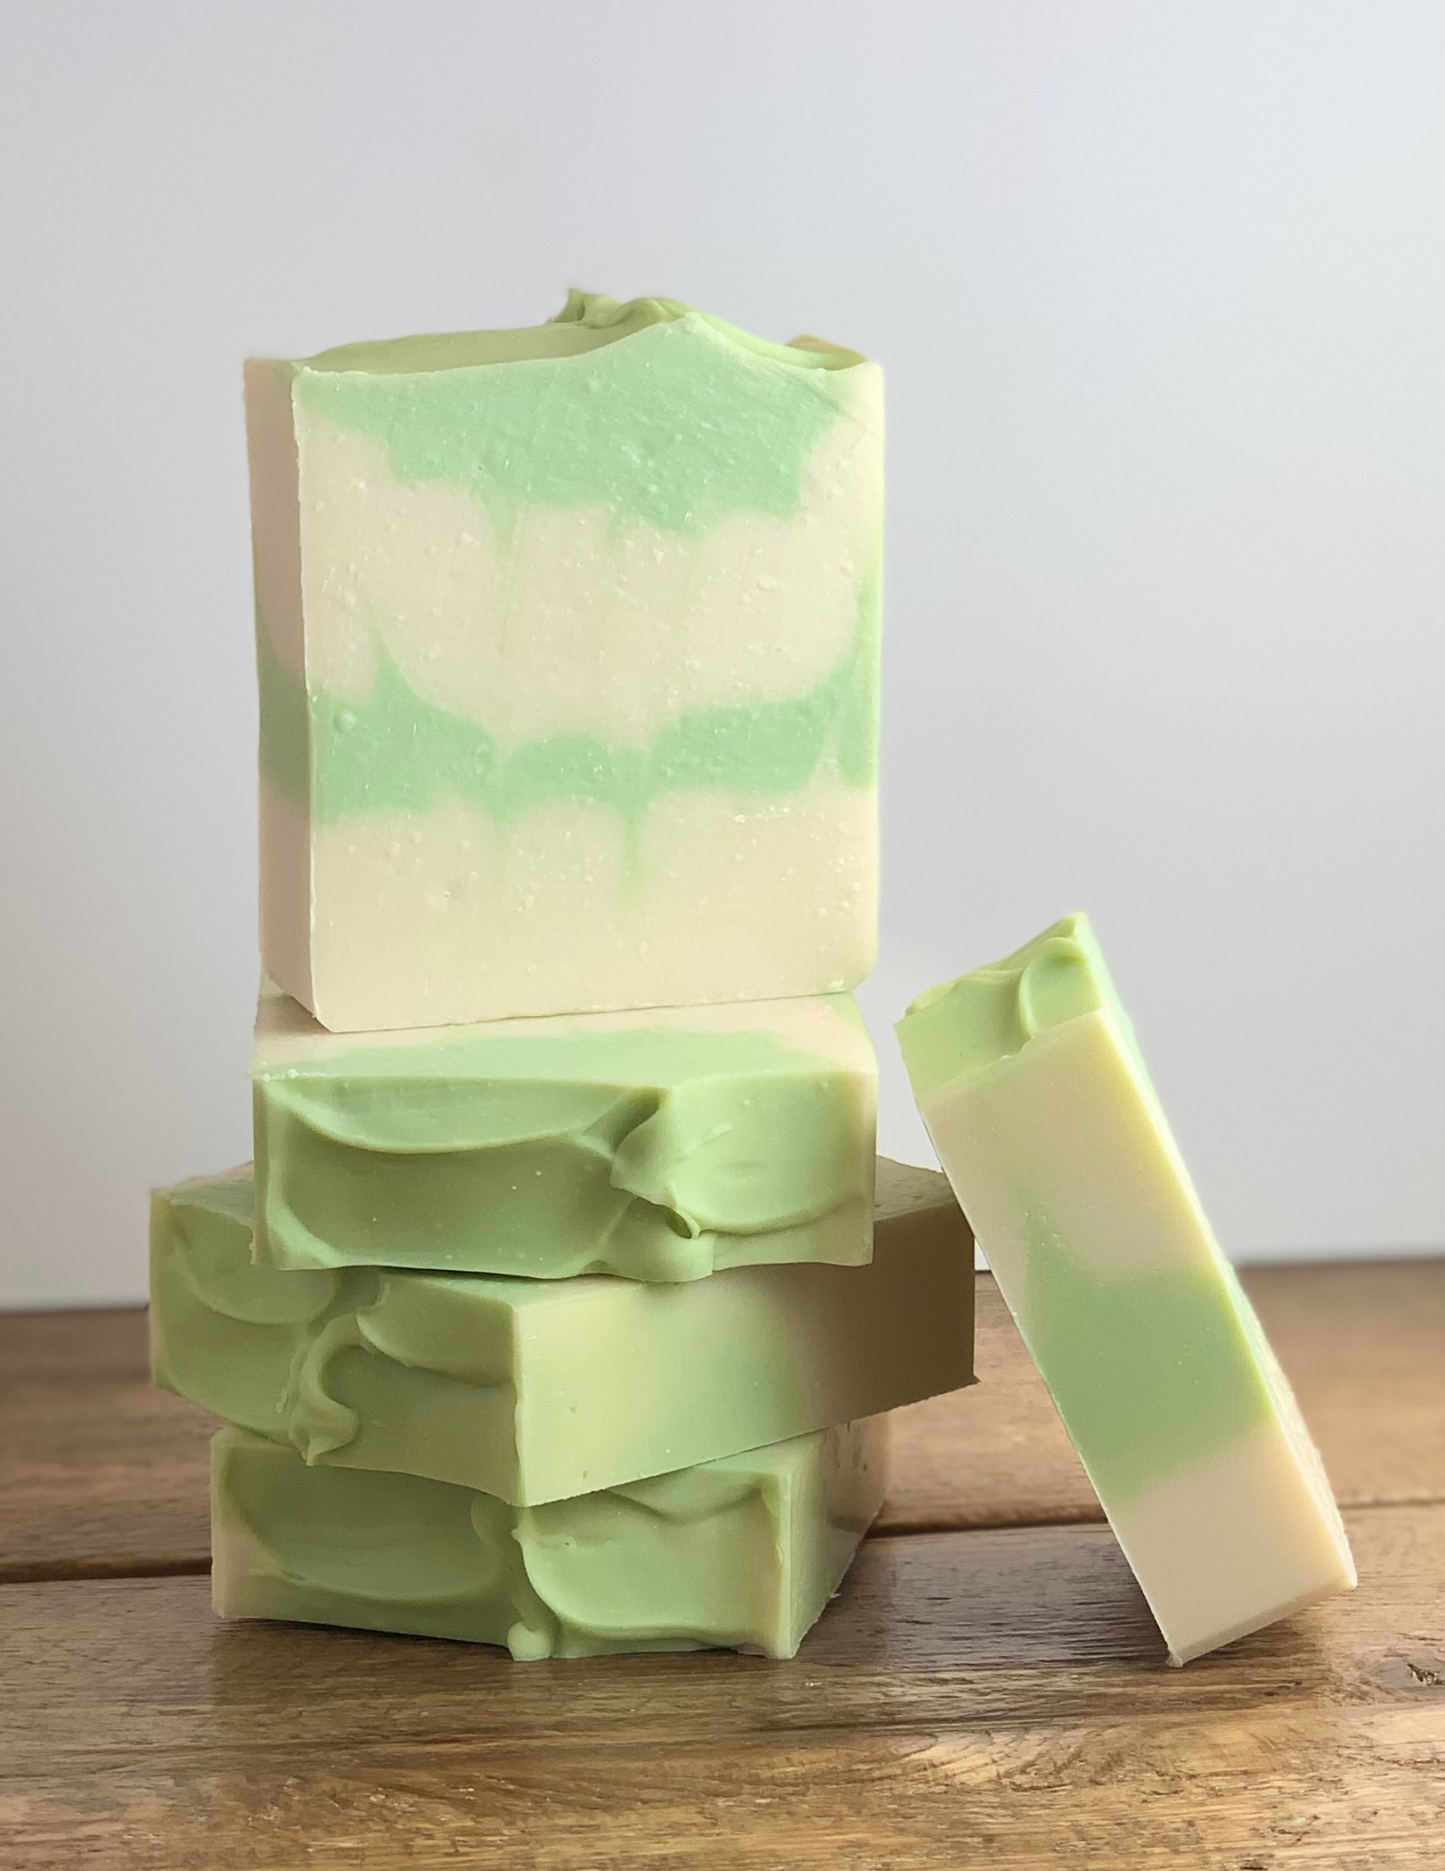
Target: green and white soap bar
659,1145
1030,1080
535,1390
568,645
741,1553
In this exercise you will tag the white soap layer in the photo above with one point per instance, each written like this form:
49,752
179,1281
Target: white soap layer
431,918
573,625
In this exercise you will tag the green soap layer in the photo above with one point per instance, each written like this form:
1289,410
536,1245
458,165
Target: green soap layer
586,323
398,752
1182,1335
1153,1369
645,1147
743,1552
686,422
536,1390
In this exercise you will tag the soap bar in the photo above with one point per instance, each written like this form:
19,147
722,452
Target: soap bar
568,648
741,1553
658,1145
534,1390
1030,1080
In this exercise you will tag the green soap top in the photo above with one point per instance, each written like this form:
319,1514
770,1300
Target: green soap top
639,1144
966,1026
649,1049
587,322
655,411
229,1196
743,1551
201,1235
536,1390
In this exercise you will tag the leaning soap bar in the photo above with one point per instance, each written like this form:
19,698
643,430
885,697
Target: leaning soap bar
568,644
1030,1081
741,1553
534,1390
658,1145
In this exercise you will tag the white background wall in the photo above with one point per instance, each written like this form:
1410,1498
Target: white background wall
1161,293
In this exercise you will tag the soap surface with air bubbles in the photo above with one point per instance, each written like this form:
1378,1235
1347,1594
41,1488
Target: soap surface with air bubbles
568,652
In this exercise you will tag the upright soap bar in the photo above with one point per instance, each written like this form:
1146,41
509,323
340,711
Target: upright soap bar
741,1553
535,1390
568,647
659,1145
1030,1081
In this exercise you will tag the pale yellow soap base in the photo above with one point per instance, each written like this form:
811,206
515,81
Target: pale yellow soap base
561,911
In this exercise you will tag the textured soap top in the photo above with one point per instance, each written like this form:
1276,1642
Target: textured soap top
644,1144
965,1026
588,321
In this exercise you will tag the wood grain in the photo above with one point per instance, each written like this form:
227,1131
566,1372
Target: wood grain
992,1696
101,1476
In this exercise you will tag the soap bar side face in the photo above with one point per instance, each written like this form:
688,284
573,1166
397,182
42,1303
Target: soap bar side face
346,1366
376,1551
1059,1151
742,1358
736,1554
833,1504
589,642
536,1391
286,902
640,1144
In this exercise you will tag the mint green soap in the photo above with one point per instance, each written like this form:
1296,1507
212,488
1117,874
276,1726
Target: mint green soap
661,1146
537,1390
741,1553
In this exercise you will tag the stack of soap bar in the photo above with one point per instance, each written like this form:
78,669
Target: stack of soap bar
551,1314
1031,1083
563,1466
568,647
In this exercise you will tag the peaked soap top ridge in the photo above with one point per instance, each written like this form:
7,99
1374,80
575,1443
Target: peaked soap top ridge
967,1025
587,322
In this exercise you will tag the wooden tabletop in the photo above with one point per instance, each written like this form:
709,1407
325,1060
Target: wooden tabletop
988,1688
